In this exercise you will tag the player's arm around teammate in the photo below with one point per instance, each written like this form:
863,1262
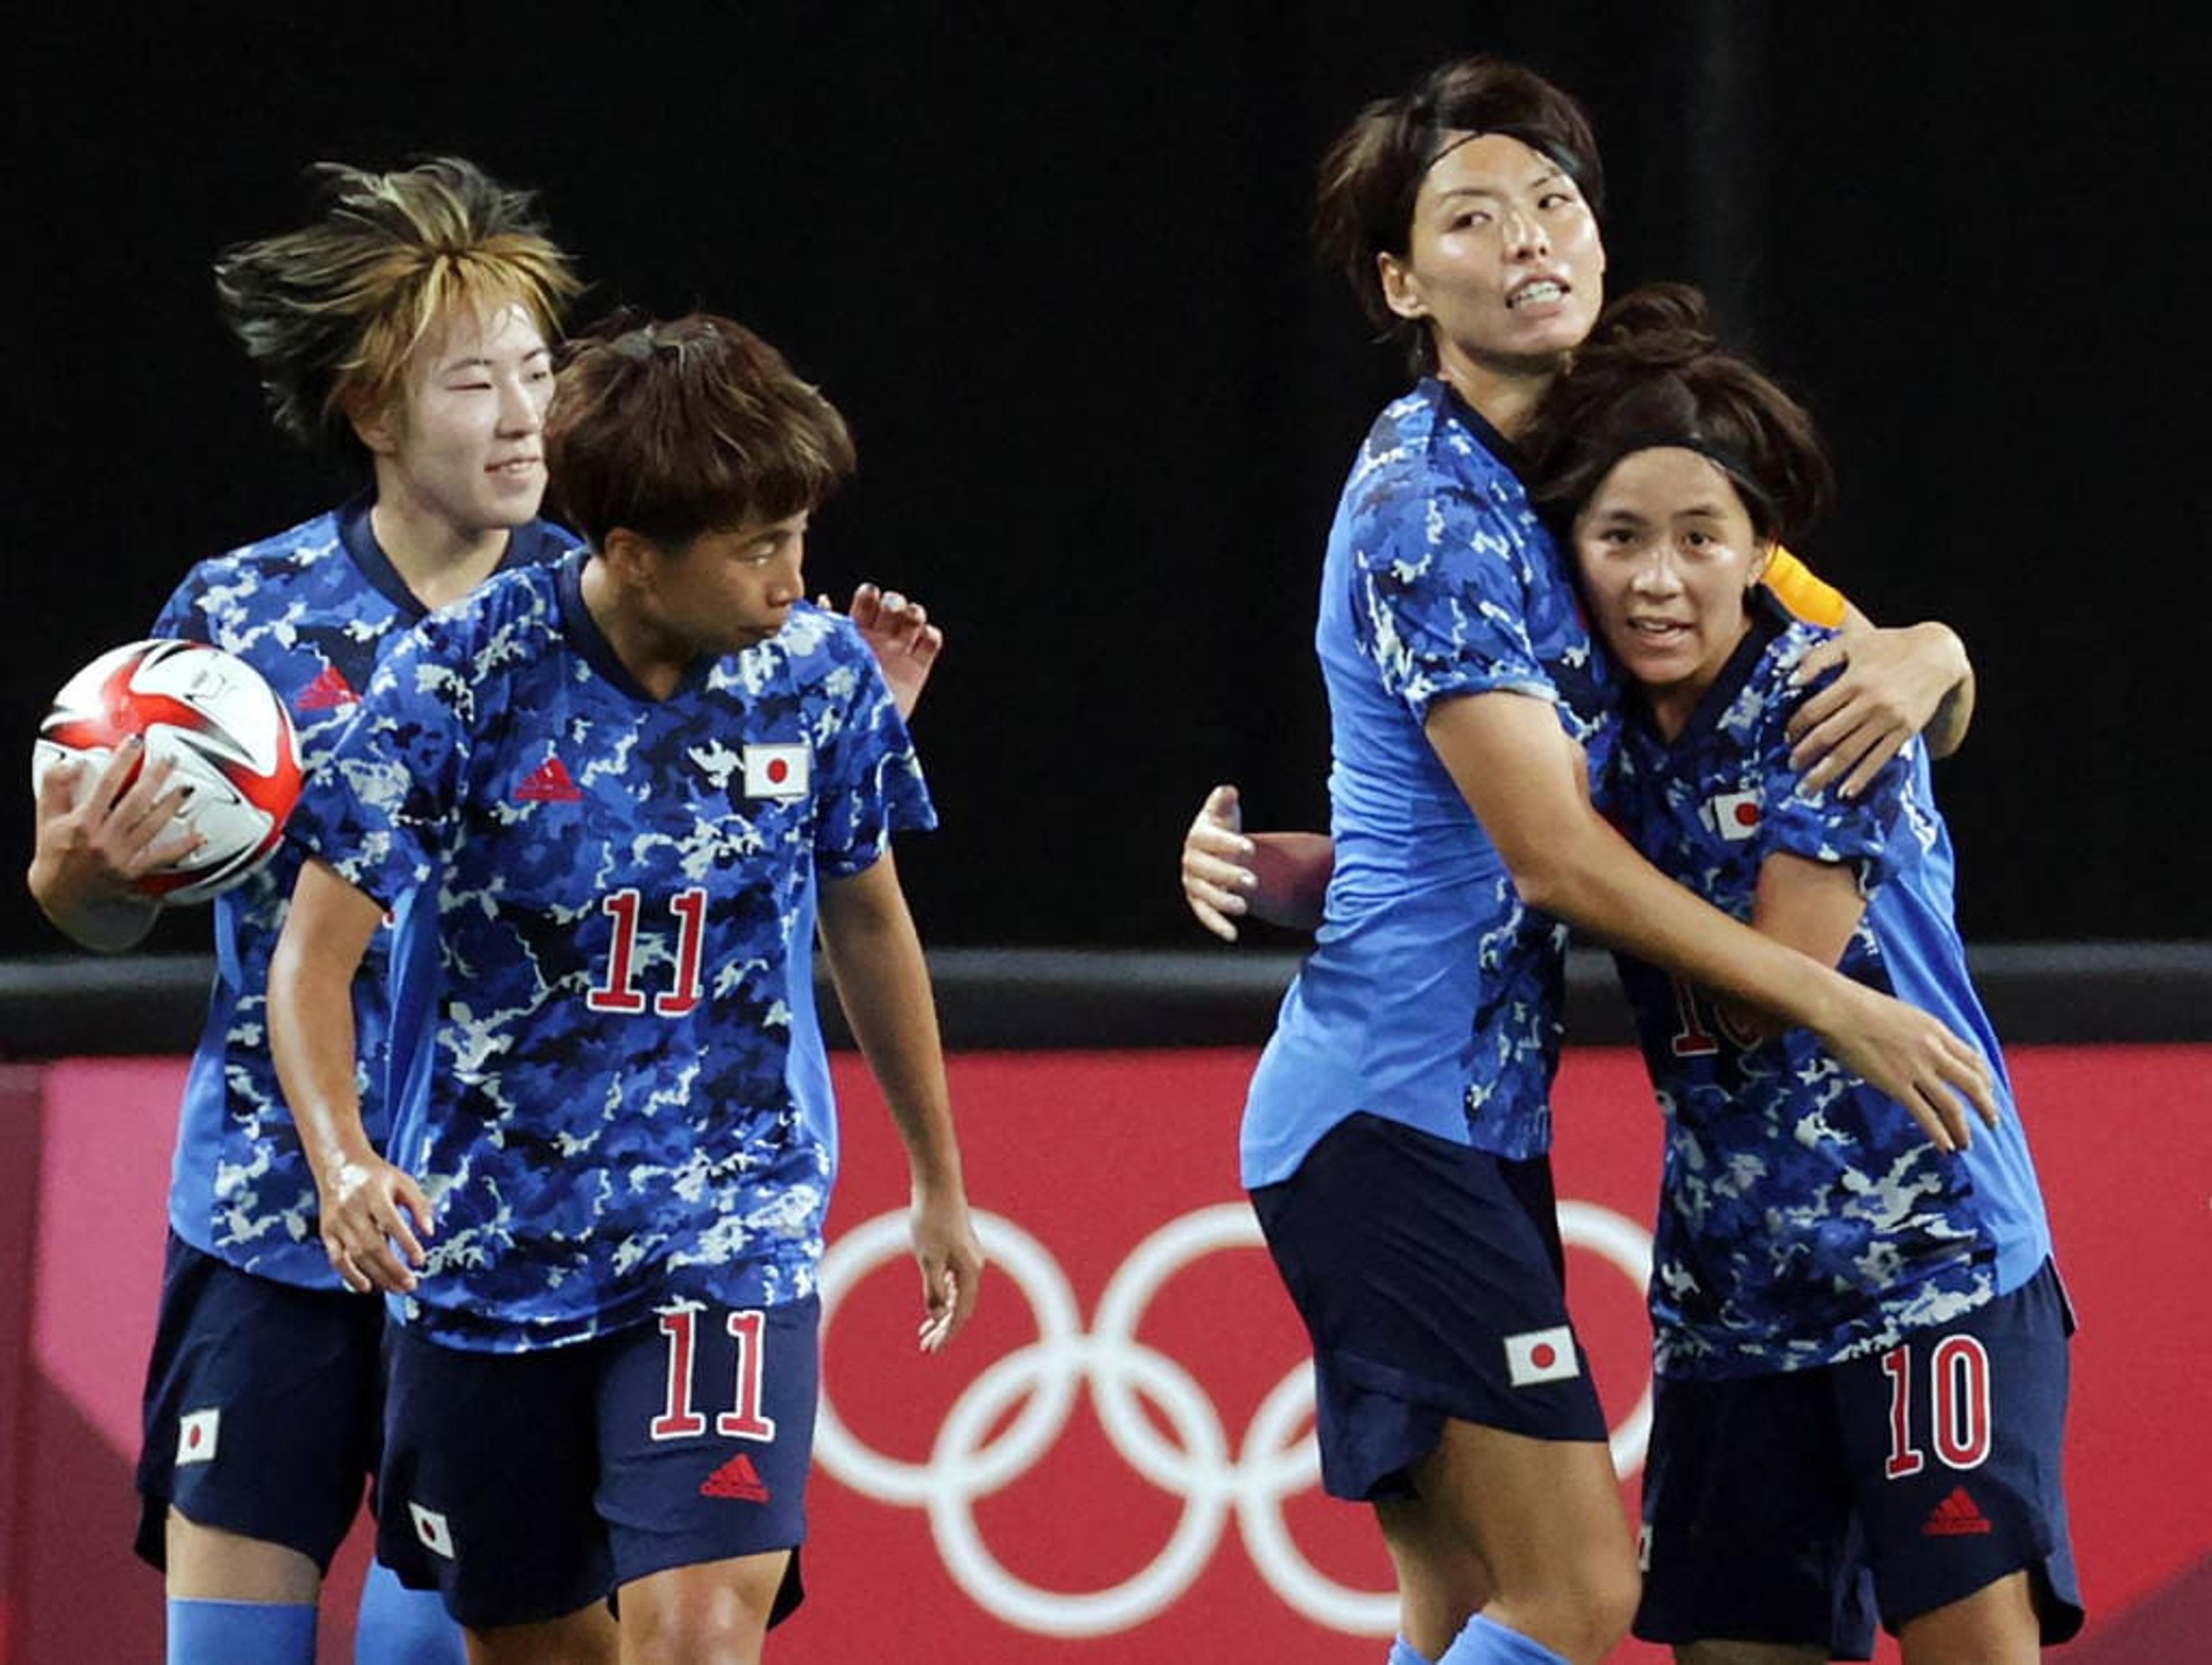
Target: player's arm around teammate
1891,684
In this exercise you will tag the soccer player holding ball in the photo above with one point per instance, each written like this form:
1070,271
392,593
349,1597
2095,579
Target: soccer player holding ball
405,326
405,329
608,801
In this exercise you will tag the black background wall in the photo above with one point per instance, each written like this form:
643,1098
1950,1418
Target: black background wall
1051,262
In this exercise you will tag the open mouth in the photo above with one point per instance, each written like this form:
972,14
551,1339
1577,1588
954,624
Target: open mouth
1538,292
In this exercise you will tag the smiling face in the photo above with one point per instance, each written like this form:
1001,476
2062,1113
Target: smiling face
1503,262
1668,555
457,451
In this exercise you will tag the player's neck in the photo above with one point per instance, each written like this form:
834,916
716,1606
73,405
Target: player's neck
1505,391
657,664
439,561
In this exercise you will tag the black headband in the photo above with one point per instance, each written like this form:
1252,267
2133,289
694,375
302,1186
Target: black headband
1761,507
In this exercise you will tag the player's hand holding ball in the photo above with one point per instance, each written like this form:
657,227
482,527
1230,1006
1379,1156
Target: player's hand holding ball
167,767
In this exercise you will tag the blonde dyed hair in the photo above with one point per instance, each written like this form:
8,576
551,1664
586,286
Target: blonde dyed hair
331,314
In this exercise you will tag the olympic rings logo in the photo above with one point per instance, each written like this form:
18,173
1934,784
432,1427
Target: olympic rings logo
1274,1461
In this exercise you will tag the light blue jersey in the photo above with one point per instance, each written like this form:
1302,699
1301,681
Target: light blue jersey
312,609
1431,997
615,1090
1804,1218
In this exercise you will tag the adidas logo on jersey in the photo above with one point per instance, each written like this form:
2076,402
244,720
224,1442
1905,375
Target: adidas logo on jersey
1955,1517
737,1477
328,692
549,783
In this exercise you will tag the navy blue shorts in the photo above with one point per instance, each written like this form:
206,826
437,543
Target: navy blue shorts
1429,1277
1793,1508
523,1486
262,1407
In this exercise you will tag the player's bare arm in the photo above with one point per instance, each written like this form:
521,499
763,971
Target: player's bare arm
1813,907
1229,874
99,829
906,643
374,1216
1528,784
876,961
1892,685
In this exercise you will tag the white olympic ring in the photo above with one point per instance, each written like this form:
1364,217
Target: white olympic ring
1275,1461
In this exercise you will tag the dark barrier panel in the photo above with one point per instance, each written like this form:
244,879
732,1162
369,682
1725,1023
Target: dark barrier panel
2054,994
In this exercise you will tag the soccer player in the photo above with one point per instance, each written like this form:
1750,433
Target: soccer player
403,329
607,801
405,326
1396,1135
1861,1341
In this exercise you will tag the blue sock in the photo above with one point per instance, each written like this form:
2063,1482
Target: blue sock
398,1626
1483,1642
1402,1653
204,1632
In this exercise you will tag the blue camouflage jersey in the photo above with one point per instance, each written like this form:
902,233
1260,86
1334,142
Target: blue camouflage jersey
613,1085
1804,1218
1432,996
312,609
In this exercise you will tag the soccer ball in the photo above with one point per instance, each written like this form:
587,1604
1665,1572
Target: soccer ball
235,749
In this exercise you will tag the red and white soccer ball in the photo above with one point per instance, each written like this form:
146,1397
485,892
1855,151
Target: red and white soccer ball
232,744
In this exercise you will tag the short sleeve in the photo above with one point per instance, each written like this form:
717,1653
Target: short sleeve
379,809
1444,593
1826,826
871,783
1804,593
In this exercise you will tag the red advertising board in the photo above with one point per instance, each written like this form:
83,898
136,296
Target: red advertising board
1114,1464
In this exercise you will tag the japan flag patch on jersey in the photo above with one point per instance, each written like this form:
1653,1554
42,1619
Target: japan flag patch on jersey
196,1436
776,771
1535,1356
1733,815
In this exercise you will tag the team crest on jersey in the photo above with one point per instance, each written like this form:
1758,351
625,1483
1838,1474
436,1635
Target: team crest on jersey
776,771
196,1436
1733,815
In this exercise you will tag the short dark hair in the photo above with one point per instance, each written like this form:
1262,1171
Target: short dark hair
1371,175
329,314
1653,372
694,425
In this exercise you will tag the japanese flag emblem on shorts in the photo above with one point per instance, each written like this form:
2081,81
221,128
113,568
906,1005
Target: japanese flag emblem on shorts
776,771
1535,1356
433,1529
196,1436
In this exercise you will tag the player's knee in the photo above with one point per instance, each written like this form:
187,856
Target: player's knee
697,1620
1582,1611
1606,1601
1997,1623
